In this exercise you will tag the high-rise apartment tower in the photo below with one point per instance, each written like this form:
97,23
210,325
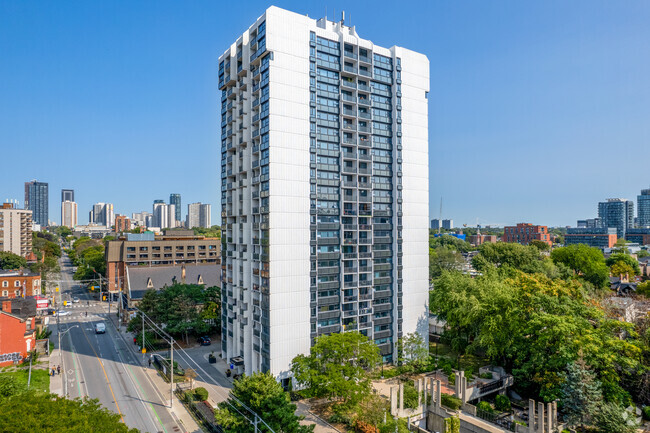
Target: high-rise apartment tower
325,197
175,199
37,200
618,213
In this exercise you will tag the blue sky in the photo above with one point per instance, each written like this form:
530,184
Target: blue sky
537,110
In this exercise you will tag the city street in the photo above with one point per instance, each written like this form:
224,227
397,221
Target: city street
102,366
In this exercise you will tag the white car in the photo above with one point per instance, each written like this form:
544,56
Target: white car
63,313
75,299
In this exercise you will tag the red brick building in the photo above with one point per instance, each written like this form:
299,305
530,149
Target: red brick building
122,223
524,233
17,284
17,329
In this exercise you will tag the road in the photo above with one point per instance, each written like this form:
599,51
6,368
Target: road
102,366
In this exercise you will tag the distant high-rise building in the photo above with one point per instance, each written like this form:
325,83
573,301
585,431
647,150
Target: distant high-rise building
122,223
617,213
15,230
69,214
198,215
643,208
205,216
445,224
102,214
175,199
37,200
334,179
67,195
142,219
164,215
590,223
448,224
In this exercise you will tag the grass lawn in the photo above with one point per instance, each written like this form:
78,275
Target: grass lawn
40,379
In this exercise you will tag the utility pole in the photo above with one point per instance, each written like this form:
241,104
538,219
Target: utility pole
255,423
171,373
143,349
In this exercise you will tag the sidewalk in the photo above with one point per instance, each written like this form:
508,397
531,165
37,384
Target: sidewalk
177,411
56,381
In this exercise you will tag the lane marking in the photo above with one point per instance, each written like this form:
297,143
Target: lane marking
105,375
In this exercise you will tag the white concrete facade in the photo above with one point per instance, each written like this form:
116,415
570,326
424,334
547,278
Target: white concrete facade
69,214
269,214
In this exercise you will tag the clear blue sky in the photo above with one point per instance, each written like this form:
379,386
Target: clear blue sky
537,109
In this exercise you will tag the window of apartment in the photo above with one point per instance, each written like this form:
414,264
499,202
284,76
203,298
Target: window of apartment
129,249
179,247
155,248
168,248
179,255
5,293
16,283
167,256
201,247
190,248
144,248
5,284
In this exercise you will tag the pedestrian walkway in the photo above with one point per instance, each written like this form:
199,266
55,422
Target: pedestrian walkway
56,381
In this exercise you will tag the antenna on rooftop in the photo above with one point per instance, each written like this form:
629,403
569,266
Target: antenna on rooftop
440,220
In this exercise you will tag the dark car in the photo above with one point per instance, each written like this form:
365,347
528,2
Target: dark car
205,341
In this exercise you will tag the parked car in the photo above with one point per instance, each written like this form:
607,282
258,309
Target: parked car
75,299
205,341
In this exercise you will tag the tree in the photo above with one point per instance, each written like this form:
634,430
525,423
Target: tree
534,327
612,418
337,366
33,412
581,394
622,268
264,396
452,242
508,256
542,246
585,261
443,258
190,375
414,351
621,259
643,289
10,260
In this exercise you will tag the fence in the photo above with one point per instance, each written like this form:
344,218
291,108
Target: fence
498,419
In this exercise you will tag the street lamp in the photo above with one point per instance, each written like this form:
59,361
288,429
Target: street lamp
65,382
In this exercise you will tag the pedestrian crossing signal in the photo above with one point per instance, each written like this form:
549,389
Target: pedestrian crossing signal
144,350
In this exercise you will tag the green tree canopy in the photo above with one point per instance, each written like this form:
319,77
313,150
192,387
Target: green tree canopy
581,394
507,256
535,327
30,412
586,262
183,309
621,258
443,258
264,396
337,366
9,260
452,242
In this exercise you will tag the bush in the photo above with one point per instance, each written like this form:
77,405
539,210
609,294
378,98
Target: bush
646,412
502,403
201,394
450,401
485,407
410,395
486,375
339,418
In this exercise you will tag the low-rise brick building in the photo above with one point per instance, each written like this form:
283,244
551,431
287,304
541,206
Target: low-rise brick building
17,284
174,248
524,233
17,329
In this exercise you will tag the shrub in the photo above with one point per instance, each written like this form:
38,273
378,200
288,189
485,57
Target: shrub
450,401
201,393
646,412
446,368
410,395
364,427
485,407
339,418
502,403
486,375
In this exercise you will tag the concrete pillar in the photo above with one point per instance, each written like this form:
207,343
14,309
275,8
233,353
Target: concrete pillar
531,416
422,393
438,393
401,397
554,408
457,384
432,387
549,417
393,400
540,417
464,389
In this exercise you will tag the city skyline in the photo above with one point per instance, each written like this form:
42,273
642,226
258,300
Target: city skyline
574,79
